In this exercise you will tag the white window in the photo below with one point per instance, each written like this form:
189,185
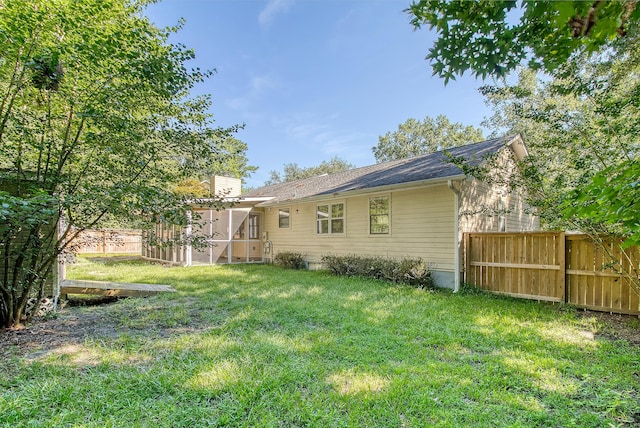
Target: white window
330,218
379,215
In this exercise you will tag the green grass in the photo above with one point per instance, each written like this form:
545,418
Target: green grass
259,346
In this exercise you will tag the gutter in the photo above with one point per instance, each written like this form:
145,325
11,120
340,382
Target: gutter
456,232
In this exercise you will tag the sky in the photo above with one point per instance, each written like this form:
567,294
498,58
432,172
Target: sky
314,79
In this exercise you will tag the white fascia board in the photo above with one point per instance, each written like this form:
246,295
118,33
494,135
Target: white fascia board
234,202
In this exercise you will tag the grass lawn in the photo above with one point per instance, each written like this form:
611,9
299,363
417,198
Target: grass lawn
259,346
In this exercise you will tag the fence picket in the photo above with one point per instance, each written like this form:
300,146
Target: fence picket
554,266
109,241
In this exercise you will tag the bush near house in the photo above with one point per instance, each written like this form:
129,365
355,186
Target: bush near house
404,271
289,260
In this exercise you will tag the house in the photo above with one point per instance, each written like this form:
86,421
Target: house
414,207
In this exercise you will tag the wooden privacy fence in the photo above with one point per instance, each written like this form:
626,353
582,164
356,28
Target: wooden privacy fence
109,241
553,266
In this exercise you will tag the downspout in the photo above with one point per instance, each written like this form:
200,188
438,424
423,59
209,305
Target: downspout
230,231
456,232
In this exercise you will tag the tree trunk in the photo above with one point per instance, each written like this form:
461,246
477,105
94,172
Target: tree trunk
28,258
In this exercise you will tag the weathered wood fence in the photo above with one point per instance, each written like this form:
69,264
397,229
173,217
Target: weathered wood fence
110,241
553,266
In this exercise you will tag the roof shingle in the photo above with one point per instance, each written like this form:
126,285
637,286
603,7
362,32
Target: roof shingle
414,169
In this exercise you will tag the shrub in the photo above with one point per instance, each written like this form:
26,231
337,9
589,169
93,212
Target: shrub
405,271
470,289
289,260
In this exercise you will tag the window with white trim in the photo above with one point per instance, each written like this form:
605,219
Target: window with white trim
330,219
379,215
284,216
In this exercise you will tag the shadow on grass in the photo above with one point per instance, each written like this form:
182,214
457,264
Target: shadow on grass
261,346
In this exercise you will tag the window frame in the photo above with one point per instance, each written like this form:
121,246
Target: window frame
281,217
253,226
501,213
329,219
388,215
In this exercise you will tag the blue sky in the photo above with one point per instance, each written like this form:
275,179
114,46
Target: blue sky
313,79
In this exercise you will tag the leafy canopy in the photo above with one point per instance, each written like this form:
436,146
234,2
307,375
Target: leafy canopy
414,137
97,121
294,172
581,128
493,37
583,125
228,158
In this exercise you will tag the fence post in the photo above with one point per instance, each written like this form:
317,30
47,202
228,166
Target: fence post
562,261
467,259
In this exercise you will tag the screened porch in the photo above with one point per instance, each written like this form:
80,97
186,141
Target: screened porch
233,235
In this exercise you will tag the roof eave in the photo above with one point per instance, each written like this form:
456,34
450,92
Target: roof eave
356,192
235,202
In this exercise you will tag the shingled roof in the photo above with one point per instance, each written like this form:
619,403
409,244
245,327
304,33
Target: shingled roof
425,168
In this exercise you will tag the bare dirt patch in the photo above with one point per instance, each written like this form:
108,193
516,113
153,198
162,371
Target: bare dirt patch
97,319
70,326
614,326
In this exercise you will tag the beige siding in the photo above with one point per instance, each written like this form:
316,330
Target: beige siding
485,205
225,186
422,221
422,225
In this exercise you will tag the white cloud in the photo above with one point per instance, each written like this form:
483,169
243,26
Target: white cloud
305,131
255,89
273,8
352,146
326,138
262,83
238,103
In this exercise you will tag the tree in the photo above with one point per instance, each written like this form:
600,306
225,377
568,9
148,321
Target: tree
294,172
229,159
96,120
608,200
581,129
484,37
191,188
416,137
592,53
531,107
